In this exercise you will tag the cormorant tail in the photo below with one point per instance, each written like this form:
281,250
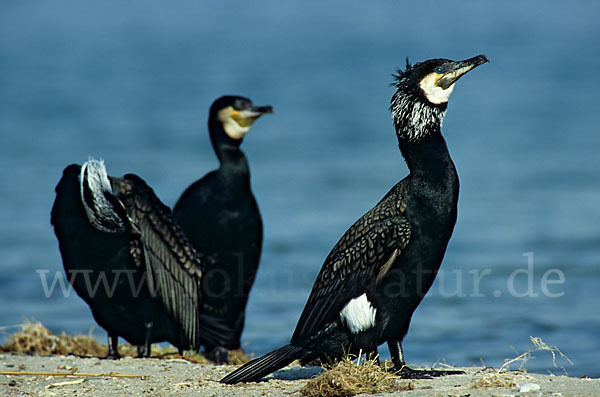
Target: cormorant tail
263,366
101,206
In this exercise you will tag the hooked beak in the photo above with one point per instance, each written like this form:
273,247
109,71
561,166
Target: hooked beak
455,70
260,110
246,117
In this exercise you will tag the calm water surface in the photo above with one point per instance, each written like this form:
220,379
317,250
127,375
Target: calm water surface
132,83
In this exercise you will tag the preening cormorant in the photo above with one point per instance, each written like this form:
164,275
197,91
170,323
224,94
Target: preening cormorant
379,271
220,216
129,261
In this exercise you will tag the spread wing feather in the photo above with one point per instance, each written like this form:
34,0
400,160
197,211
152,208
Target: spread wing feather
360,259
173,267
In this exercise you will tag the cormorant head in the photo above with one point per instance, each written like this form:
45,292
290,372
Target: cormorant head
235,115
422,94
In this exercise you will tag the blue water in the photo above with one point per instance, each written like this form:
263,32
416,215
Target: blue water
131,82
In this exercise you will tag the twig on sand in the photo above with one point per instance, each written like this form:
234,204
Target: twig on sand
86,374
67,383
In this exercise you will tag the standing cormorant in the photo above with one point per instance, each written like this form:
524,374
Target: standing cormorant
220,216
128,260
378,273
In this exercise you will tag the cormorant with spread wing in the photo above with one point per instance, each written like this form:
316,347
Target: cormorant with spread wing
379,271
129,261
220,216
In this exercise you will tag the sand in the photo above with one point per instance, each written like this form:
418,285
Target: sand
164,377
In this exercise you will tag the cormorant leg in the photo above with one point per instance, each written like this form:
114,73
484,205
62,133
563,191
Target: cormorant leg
402,370
113,347
180,351
397,354
218,354
144,350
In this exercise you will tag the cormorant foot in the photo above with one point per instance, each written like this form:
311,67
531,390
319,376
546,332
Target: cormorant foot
317,362
406,372
219,355
113,356
113,347
143,352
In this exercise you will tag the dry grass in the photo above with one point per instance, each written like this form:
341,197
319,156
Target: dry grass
239,357
494,380
35,339
347,378
504,377
538,345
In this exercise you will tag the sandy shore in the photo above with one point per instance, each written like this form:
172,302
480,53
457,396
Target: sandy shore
177,376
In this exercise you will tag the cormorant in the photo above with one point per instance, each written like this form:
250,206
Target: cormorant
220,216
379,271
129,261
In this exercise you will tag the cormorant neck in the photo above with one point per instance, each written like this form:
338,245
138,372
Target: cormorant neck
220,140
232,159
414,118
233,174
428,157
233,167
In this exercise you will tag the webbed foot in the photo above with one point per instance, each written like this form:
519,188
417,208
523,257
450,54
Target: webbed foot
219,355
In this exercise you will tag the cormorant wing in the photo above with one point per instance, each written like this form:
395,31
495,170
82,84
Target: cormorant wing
173,267
358,261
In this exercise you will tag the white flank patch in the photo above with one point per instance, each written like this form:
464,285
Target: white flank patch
103,214
358,314
433,93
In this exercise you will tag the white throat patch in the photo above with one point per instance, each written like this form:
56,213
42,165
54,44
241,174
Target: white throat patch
433,93
358,314
231,127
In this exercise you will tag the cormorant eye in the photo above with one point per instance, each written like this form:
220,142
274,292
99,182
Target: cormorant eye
439,70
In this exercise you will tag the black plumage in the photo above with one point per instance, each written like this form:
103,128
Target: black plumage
382,267
128,260
220,216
